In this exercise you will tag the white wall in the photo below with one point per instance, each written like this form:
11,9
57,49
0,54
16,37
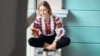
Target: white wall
13,27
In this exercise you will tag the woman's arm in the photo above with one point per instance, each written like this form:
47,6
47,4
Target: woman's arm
36,28
60,31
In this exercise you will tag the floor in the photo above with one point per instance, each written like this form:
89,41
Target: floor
53,53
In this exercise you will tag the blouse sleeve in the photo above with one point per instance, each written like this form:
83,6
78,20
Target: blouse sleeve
60,31
36,27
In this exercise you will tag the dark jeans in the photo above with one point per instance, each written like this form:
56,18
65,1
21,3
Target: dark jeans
39,42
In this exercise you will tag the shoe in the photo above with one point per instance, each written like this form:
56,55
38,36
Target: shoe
47,50
39,52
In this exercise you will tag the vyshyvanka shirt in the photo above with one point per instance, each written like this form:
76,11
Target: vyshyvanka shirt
48,27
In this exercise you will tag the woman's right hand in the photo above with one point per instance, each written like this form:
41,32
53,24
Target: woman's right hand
35,33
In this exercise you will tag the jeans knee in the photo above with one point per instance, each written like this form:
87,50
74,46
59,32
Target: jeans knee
67,41
30,41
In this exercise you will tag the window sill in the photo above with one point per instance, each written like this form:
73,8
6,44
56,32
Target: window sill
60,13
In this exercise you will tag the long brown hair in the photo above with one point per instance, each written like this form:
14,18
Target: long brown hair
46,4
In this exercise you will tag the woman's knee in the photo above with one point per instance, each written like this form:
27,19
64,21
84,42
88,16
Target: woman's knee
67,40
35,42
30,41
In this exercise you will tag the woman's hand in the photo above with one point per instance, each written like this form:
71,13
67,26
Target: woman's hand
35,33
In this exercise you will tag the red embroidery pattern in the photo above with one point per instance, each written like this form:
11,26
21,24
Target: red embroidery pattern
47,26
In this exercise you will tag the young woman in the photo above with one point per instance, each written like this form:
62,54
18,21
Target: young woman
48,31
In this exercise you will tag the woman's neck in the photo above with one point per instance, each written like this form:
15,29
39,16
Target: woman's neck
47,17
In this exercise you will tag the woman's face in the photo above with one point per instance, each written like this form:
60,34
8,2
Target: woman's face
43,11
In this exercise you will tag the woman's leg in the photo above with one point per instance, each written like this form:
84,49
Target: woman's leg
49,40
36,42
64,41
46,45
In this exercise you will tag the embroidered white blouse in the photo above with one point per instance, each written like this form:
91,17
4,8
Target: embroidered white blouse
48,27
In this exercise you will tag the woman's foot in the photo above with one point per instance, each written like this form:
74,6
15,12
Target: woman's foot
47,50
51,47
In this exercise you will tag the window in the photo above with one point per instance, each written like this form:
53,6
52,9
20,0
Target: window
31,7
30,11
